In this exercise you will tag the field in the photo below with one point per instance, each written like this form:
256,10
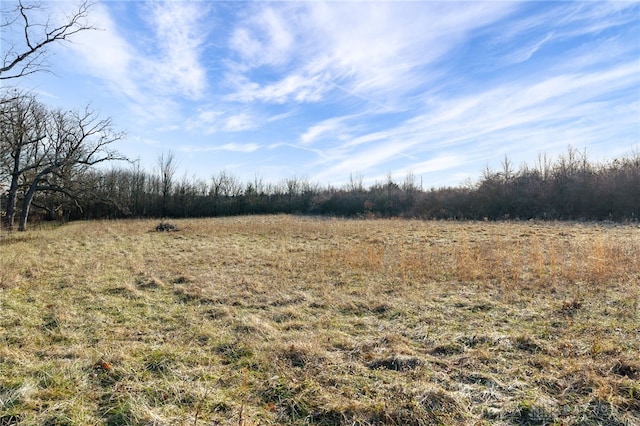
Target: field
287,320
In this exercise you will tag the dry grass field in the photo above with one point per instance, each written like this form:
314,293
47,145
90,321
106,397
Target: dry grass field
288,320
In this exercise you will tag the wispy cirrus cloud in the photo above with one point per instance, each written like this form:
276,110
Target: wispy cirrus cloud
239,122
153,74
377,52
210,120
518,39
230,147
179,35
524,117
293,87
332,127
114,60
525,52
264,38
437,163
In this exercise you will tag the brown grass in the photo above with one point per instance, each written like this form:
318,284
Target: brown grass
286,320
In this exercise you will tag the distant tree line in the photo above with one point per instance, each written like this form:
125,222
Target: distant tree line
569,187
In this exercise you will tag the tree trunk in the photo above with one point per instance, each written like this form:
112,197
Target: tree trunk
11,204
26,204
13,192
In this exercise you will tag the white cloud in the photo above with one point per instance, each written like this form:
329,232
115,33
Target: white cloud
231,147
364,160
296,87
105,54
375,52
264,39
526,52
520,116
152,75
239,122
321,129
212,121
293,87
436,164
180,34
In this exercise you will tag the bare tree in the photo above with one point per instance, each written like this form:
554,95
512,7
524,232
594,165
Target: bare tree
26,39
507,173
74,142
138,182
355,183
167,165
22,128
218,188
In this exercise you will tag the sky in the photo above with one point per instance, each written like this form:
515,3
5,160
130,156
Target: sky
331,91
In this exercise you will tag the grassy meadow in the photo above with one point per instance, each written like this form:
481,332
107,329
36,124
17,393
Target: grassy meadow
294,320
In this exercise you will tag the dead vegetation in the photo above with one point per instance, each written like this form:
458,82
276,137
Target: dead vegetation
285,320
166,227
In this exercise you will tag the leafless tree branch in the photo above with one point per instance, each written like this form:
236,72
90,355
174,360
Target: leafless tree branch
29,55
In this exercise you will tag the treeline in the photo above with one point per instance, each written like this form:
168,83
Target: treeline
569,187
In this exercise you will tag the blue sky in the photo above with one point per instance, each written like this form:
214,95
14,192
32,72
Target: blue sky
326,90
